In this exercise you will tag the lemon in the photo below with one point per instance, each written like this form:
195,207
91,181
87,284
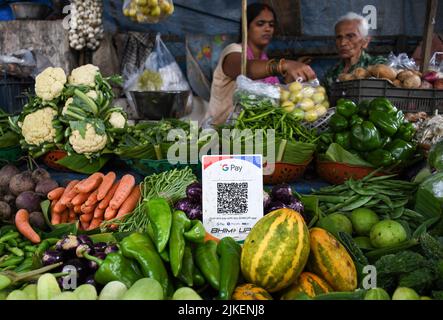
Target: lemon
295,87
307,104
321,90
295,97
167,8
156,11
145,11
321,111
126,12
132,13
142,3
318,98
298,114
308,92
284,95
311,116
288,106
326,104
152,3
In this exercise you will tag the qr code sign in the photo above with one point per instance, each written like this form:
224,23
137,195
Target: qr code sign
232,198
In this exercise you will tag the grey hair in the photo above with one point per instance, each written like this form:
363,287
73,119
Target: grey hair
363,26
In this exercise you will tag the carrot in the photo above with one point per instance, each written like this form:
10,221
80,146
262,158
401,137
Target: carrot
72,215
56,218
78,209
124,189
69,192
84,225
58,208
106,185
90,184
65,216
99,213
92,199
87,217
80,198
56,193
105,202
130,203
95,223
86,209
24,227
110,213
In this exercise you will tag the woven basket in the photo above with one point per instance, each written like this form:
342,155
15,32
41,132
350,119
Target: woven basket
286,173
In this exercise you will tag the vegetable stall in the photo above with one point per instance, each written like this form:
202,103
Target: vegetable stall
93,208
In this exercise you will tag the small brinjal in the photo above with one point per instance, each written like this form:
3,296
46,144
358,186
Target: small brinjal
100,246
84,239
80,267
282,193
92,265
81,249
68,243
52,257
194,192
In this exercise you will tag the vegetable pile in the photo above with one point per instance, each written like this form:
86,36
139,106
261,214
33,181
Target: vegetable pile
148,11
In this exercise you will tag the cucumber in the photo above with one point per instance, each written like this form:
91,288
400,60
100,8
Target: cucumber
47,287
145,289
114,290
86,292
186,293
355,295
67,295
31,291
17,295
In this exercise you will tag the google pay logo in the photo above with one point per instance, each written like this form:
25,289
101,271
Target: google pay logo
225,167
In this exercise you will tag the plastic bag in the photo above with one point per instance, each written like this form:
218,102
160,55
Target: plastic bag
402,61
148,11
23,64
436,62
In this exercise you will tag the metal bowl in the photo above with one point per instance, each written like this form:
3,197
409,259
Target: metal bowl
157,105
30,10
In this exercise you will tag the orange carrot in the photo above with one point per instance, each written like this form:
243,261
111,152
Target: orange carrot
92,199
56,218
24,227
78,209
87,217
130,203
80,198
110,213
99,213
95,223
56,193
105,202
84,225
58,208
90,184
106,185
65,216
124,189
86,209
72,216
69,192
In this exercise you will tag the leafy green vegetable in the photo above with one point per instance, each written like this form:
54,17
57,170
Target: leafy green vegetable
81,164
336,153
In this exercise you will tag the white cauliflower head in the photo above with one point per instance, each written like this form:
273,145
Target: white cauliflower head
84,75
92,94
68,102
92,142
117,120
37,127
50,83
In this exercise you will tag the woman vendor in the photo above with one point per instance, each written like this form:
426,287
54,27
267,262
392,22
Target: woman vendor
261,26
351,39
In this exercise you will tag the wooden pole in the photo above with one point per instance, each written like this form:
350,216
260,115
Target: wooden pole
244,56
431,14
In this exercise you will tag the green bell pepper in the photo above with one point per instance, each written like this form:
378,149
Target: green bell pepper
401,150
160,218
385,141
346,108
363,108
383,105
343,139
324,141
400,117
406,132
196,233
229,251
386,123
355,120
187,270
380,158
365,137
177,243
338,123
208,263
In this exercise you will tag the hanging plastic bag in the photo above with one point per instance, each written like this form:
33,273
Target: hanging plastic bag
401,62
148,11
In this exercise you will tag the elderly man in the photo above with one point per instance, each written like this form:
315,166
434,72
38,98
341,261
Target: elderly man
351,38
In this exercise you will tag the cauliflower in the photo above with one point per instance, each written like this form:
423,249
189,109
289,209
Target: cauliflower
92,94
84,75
92,142
50,83
117,120
37,127
68,102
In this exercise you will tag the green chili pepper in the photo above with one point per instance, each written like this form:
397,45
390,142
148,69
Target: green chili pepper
139,247
30,248
13,243
160,216
180,223
199,279
45,245
2,248
7,229
187,271
12,261
207,261
196,233
17,251
9,236
165,255
229,251
346,108
25,266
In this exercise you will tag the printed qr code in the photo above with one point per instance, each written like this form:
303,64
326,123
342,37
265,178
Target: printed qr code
232,198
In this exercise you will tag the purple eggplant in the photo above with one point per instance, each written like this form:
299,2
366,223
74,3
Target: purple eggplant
52,256
80,267
296,205
194,192
111,248
282,193
275,205
84,239
196,212
100,246
68,243
82,249
266,199
184,205
93,265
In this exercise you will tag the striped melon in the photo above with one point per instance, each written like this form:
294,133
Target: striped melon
330,260
308,283
276,250
249,291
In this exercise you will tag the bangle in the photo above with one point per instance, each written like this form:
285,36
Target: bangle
280,68
271,67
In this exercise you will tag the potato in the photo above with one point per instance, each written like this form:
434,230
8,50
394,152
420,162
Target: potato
413,82
402,76
361,73
382,71
21,182
6,174
397,83
346,77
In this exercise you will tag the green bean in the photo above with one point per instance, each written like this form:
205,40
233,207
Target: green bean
385,199
343,204
357,204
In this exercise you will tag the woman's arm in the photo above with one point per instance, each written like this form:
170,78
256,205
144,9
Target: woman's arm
257,69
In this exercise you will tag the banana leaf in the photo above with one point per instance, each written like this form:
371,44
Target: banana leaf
336,153
81,164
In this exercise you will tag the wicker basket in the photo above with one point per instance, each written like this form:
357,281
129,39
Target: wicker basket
286,173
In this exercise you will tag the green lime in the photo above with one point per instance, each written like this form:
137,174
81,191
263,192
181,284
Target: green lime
363,242
387,233
377,294
363,220
298,114
336,223
403,293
